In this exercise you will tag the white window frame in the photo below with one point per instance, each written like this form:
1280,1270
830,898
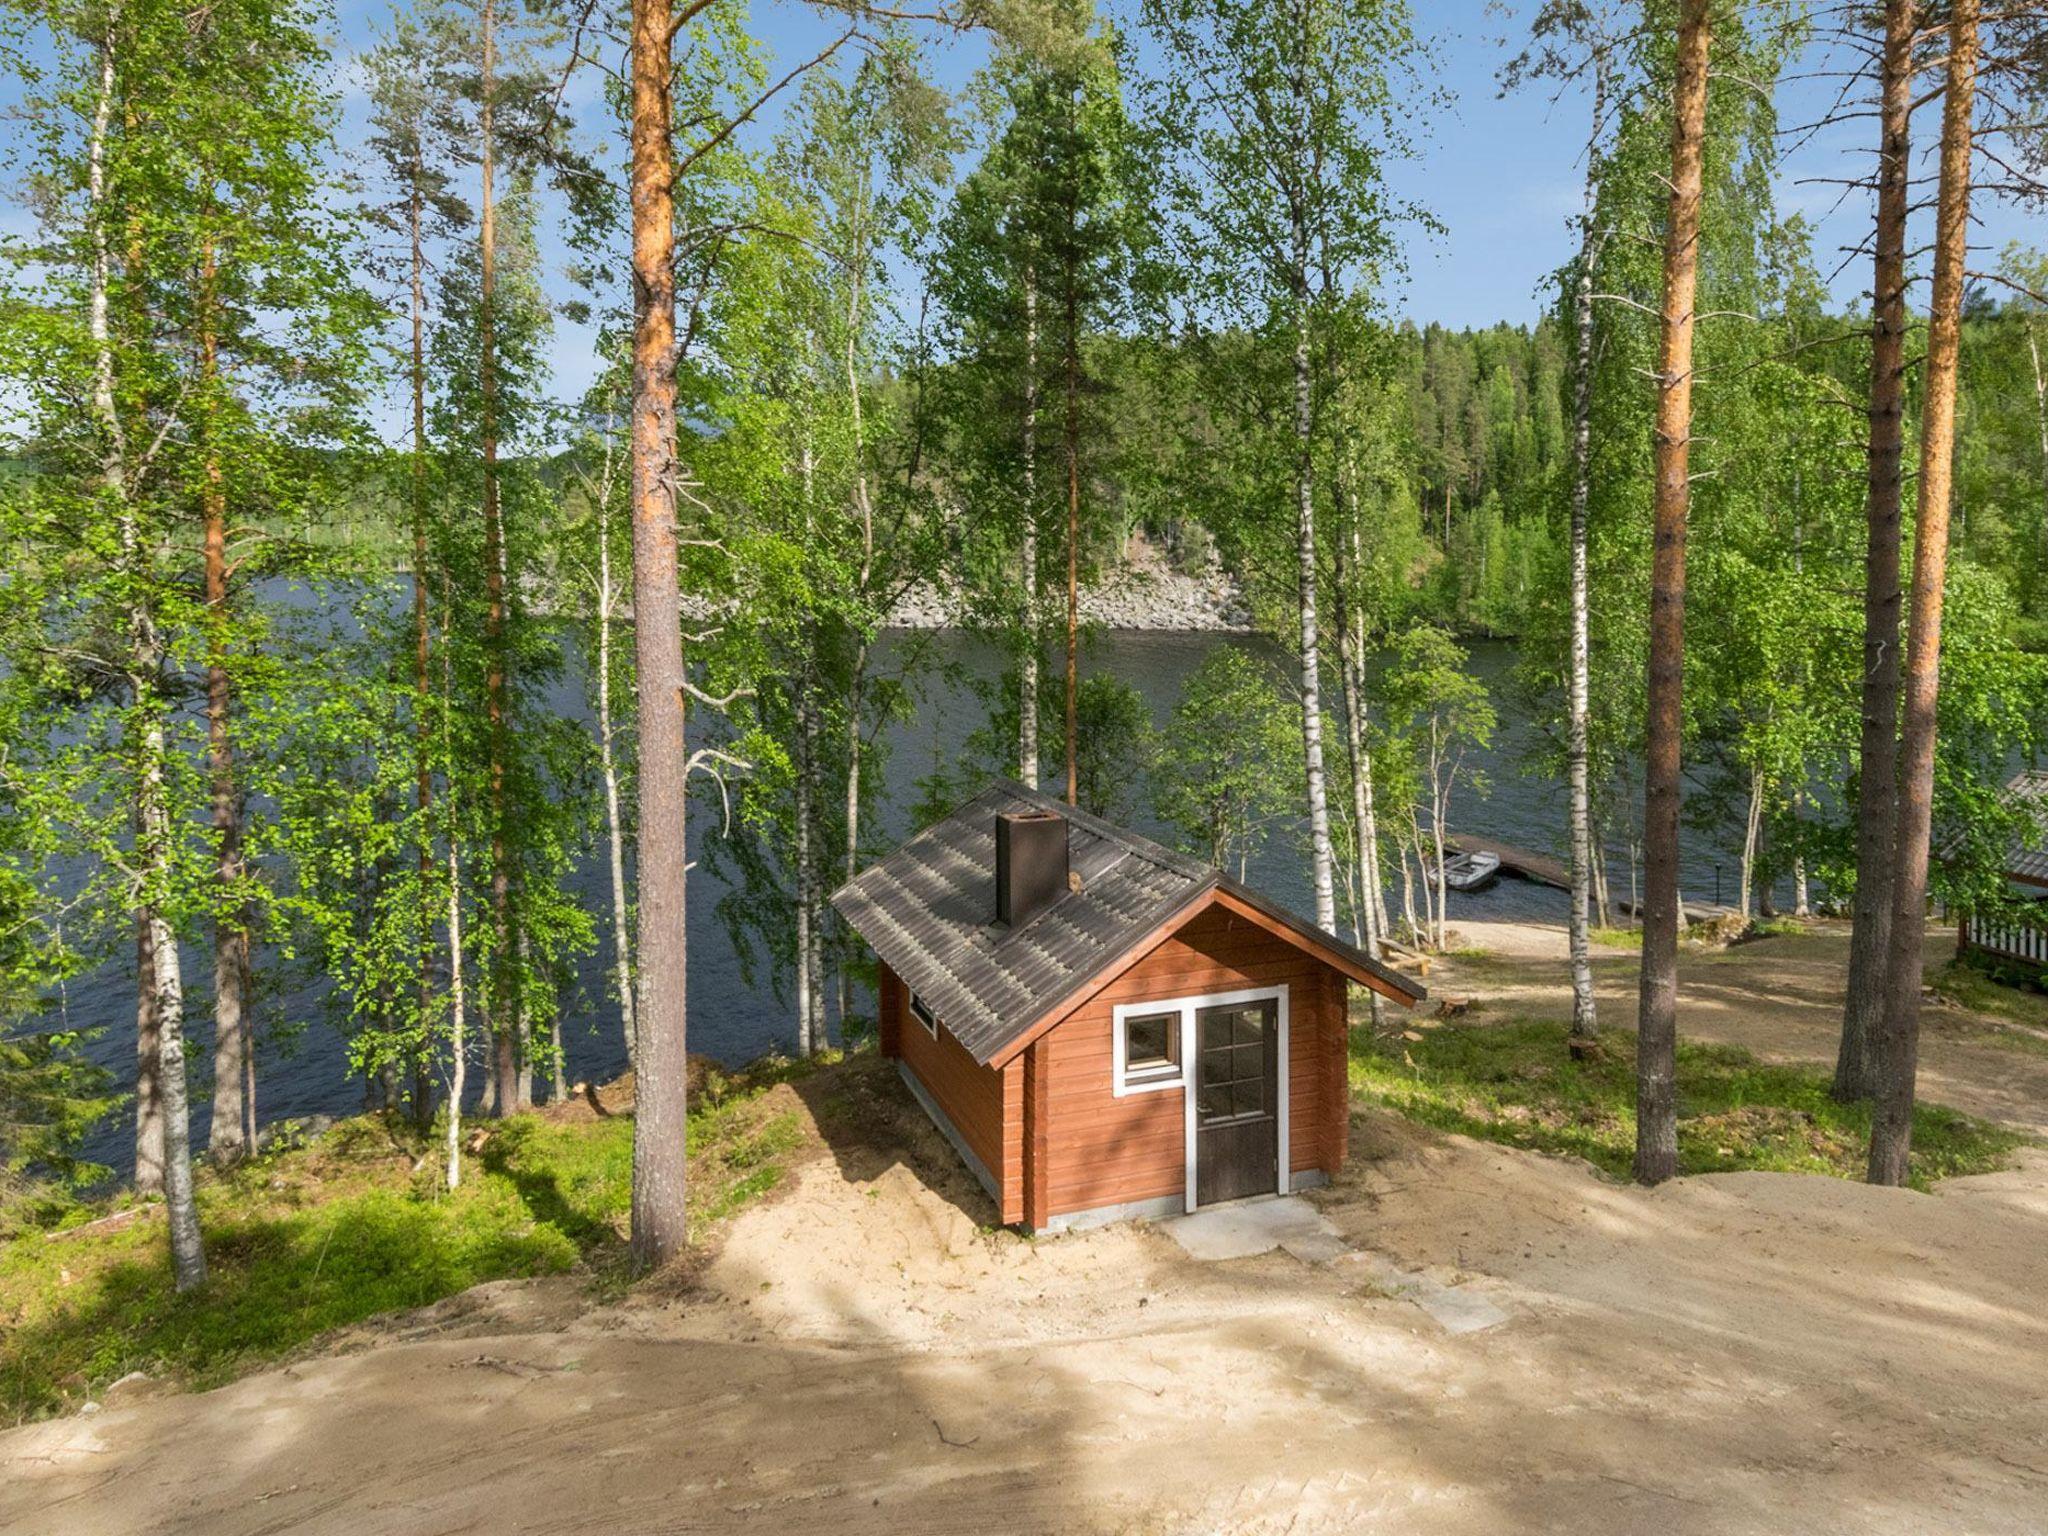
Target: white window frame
922,1012
1123,1081
1184,1078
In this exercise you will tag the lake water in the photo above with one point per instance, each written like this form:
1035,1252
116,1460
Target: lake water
735,1022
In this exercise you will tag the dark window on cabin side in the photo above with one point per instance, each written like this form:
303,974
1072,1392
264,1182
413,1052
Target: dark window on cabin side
1151,1045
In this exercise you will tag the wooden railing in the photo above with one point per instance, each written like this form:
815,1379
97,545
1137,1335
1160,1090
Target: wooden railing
2008,938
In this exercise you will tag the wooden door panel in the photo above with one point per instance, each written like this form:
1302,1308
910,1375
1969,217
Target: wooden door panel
1237,1123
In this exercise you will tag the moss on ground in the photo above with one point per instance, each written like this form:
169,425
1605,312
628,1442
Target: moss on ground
307,1239
1517,1084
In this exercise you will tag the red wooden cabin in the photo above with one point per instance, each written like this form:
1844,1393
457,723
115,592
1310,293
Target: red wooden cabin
1103,1028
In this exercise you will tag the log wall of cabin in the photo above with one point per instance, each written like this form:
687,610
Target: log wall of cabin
984,1104
1100,1150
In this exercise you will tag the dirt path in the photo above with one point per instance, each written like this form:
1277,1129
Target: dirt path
1736,1353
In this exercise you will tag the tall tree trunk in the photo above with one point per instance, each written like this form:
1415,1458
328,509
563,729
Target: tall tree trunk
155,848
1802,899
458,1046
864,507
1351,668
1657,1025
856,702
149,1106
1439,811
1752,841
1578,730
149,1099
2033,325
1027,554
615,842
505,1028
1073,446
806,813
458,1017
228,1139
1311,635
188,1256
1877,773
1891,1122
422,650
660,1164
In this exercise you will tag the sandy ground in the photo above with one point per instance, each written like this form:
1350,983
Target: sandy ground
1733,1353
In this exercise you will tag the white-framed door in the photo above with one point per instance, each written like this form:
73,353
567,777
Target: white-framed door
1150,1073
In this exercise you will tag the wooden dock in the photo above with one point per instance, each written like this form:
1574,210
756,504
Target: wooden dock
1542,869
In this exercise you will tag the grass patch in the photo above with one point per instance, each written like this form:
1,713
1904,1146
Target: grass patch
1617,938
1968,986
1517,1084
1775,928
311,1238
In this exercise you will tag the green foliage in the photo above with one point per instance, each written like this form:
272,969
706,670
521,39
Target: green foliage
1228,776
308,1240
1516,1083
1116,744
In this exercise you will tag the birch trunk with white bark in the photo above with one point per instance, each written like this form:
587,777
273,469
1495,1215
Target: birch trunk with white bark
1578,714
1027,555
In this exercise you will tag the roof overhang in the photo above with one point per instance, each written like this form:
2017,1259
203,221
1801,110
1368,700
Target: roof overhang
1346,959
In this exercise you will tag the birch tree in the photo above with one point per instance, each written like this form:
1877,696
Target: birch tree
1574,40
1273,127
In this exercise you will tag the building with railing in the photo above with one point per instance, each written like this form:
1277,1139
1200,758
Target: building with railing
2018,935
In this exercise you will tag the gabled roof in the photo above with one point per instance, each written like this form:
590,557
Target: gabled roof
928,910
2029,857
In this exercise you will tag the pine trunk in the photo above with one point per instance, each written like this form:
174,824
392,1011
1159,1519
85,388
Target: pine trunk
1657,1025
1877,774
1891,1125
660,1163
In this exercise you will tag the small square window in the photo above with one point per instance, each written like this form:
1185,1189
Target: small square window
922,1012
1151,1044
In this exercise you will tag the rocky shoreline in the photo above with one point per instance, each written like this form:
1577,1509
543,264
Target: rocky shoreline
1145,595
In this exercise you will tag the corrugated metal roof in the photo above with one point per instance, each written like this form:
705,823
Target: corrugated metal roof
928,909
2029,858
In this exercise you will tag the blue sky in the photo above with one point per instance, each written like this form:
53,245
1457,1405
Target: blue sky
1502,175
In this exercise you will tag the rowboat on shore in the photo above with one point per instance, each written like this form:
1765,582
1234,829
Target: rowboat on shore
1471,871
